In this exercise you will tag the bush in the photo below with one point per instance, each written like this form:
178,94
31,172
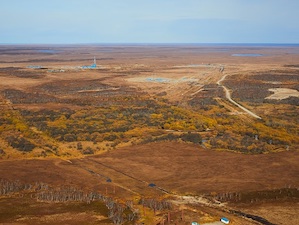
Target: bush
79,146
69,137
20,143
88,151
191,137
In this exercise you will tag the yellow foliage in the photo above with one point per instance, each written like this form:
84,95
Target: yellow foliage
59,123
157,116
21,127
166,126
141,132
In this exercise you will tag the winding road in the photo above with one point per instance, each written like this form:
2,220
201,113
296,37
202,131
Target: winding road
228,96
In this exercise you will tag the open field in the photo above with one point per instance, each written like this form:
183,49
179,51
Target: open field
151,126
168,166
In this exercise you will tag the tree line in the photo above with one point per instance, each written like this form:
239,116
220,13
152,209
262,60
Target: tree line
118,212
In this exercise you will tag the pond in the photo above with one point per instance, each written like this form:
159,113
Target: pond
247,55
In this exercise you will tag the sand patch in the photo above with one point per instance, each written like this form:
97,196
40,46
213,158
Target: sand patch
282,93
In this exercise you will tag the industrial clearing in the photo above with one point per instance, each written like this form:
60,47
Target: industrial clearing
282,93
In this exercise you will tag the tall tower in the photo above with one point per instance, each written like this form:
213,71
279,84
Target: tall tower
94,61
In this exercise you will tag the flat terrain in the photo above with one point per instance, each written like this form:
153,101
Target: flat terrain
168,166
158,122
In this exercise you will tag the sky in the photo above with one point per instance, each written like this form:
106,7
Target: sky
148,21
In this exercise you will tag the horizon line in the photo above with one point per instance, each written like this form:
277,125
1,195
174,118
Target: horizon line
156,43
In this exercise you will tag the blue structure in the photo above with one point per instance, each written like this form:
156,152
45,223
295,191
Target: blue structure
93,66
224,220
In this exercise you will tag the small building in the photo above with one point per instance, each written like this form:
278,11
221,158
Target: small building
93,66
194,223
224,220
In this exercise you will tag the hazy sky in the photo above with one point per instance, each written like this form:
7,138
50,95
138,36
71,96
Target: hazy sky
149,21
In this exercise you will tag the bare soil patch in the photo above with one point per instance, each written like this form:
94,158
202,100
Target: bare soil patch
282,93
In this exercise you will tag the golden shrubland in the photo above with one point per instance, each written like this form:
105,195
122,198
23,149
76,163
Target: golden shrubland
140,120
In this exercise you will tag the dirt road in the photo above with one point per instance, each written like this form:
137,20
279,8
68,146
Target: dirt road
228,96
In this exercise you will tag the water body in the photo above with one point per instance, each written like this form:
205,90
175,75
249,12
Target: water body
48,51
160,80
247,55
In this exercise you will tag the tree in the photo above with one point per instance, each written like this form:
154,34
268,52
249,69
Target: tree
79,146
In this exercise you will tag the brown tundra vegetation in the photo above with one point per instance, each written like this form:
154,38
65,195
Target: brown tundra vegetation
152,135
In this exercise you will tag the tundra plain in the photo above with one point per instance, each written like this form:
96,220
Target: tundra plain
155,134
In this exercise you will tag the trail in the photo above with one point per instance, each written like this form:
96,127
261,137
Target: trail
130,176
228,96
76,163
